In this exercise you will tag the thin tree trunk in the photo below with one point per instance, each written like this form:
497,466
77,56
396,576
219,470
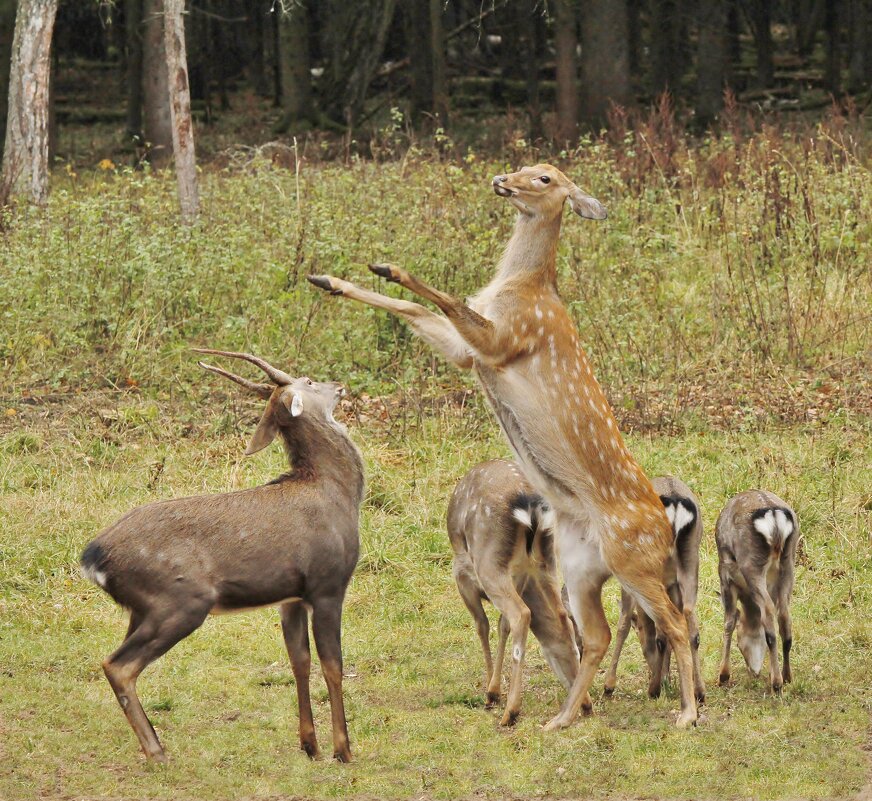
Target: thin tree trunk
565,43
711,59
666,44
761,24
7,30
180,109
294,64
440,72
605,65
860,65
133,43
532,45
25,159
833,68
155,90
416,27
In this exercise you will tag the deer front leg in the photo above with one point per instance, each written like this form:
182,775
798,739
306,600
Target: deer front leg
436,331
478,332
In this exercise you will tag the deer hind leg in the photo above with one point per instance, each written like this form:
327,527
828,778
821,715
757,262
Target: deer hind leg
149,636
551,625
505,597
651,595
585,597
471,595
327,627
731,617
760,595
493,688
624,623
654,646
295,629
693,633
435,330
785,627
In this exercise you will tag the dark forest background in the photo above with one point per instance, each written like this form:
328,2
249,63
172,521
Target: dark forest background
559,67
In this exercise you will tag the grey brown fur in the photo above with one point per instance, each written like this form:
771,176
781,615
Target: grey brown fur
503,547
292,543
682,584
757,535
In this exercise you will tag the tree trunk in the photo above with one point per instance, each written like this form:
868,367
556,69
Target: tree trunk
180,110
833,68
711,59
25,159
760,12
809,18
565,43
133,44
354,40
666,44
860,65
7,29
296,78
532,45
440,73
416,26
605,66
155,90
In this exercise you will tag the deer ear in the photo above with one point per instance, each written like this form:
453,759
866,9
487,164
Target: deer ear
295,407
586,206
264,433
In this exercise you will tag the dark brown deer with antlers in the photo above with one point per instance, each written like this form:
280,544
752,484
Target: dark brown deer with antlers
292,543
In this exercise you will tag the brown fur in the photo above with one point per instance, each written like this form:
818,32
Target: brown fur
511,564
292,543
759,574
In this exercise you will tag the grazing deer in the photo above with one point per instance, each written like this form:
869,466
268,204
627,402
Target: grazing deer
757,535
504,552
520,340
292,543
682,509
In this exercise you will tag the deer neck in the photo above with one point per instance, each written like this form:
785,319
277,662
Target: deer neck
319,450
532,251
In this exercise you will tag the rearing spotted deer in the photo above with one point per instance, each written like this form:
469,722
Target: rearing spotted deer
519,339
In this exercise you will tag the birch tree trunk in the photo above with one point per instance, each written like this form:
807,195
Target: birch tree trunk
25,157
180,109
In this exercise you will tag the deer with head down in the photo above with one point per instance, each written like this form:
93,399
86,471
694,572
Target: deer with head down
500,532
757,535
518,337
682,582
292,543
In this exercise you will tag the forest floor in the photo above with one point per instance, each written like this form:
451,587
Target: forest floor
725,305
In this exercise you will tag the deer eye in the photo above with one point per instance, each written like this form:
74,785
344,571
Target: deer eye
545,179
309,381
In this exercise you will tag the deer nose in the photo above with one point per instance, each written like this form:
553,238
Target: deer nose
500,179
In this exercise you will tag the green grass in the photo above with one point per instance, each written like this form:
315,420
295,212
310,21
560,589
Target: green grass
726,307
223,700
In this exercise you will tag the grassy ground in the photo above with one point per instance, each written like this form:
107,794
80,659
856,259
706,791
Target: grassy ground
223,701
726,306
